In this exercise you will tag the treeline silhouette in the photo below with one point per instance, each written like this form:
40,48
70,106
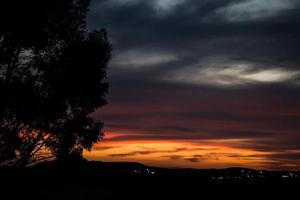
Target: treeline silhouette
52,76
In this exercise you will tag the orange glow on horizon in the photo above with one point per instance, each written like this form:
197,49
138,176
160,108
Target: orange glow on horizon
179,153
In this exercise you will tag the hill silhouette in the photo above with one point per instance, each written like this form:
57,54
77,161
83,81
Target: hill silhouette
81,179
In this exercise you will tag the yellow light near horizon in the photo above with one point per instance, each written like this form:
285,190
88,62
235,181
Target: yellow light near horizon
178,153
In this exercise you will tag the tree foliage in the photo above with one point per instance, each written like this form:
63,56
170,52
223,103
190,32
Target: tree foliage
52,77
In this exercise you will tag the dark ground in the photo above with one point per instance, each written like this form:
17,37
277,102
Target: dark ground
97,180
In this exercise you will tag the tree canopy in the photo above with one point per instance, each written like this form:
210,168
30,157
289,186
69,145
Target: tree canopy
52,77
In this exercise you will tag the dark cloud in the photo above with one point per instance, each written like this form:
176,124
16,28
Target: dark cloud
174,157
155,151
271,144
134,153
193,159
285,160
200,70
186,31
103,148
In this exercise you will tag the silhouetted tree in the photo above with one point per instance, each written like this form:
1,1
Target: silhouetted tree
52,77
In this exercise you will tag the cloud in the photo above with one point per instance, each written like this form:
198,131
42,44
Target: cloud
141,59
193,159
104,148
134,153
158,151
165,5
273,75
288,160
255,9
170,111
218,70
174,157
234,74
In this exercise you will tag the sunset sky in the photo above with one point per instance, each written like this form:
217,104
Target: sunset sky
201,83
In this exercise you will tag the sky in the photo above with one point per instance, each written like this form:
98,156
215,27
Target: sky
201,84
